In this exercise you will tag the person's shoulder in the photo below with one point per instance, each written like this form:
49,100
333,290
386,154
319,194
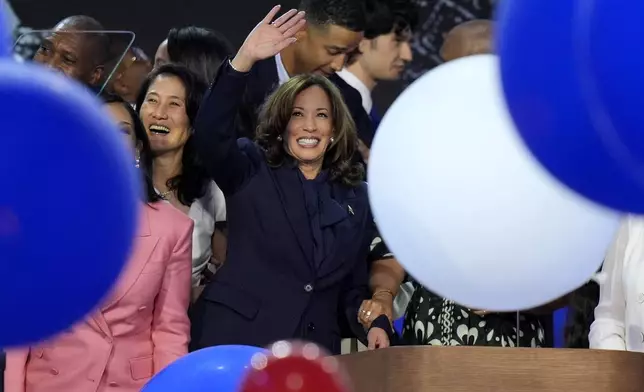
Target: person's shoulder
214,202
249,147
251,150
348,91
358,191
362,189
166,220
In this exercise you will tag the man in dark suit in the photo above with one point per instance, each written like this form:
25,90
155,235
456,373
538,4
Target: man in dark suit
334,29
385,50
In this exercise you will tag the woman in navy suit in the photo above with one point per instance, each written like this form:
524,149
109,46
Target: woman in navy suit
298,214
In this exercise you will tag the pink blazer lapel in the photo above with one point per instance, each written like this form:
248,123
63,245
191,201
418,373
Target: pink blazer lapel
97,321
143,247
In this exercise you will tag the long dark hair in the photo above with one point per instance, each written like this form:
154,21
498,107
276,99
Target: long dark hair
142,144
276,114
200,49
193,181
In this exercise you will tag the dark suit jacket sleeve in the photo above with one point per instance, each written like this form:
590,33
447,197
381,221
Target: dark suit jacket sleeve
356,288
215,131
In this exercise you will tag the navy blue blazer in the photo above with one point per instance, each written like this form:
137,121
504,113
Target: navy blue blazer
270,288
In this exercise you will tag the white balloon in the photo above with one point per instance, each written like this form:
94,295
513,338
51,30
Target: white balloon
464,206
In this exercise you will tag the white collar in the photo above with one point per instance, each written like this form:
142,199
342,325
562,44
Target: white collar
282,75
353,81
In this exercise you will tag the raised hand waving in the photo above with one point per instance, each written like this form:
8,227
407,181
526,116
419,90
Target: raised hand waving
268,39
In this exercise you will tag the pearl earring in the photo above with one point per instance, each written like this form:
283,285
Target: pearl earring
332,139
279,138
137,160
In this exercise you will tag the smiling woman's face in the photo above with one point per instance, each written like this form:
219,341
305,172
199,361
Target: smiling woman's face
311,126
164,116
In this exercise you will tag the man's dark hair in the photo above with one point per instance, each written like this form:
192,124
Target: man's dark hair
200,49
349,14
99,41
386,16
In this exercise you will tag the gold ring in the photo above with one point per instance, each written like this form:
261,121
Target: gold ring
369,314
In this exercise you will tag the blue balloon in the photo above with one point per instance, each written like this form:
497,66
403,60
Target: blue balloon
219,368
542,46
609,32
5,30
68,207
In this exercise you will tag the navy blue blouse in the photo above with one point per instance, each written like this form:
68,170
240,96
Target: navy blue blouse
322,236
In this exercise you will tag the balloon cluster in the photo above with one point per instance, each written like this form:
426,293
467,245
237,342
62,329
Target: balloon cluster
455,186
285,366
498,180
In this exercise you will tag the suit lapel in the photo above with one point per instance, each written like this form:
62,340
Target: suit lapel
291,194
342,212
143,247
98,322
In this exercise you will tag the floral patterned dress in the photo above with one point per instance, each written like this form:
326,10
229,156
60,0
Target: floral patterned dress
436,321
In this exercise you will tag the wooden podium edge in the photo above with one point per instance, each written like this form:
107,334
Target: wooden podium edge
455,369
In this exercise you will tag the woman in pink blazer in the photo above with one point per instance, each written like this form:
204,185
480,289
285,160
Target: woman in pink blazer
143,325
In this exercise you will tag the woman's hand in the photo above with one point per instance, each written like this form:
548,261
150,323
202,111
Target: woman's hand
268,39
372,308
377,338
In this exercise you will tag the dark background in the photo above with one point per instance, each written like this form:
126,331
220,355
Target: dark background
150,20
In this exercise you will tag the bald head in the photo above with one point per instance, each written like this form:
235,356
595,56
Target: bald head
76,47
467,39
97,39
79,22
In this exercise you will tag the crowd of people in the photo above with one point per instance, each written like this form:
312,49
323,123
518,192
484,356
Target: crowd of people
256,223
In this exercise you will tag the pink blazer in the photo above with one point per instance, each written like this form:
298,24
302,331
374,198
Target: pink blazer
142,327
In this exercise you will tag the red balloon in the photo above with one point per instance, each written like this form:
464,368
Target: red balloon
295,367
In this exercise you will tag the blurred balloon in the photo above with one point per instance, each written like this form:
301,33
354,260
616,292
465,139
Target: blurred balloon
464,206
69,204
296,367
614,83
220,368
575,105
8,21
